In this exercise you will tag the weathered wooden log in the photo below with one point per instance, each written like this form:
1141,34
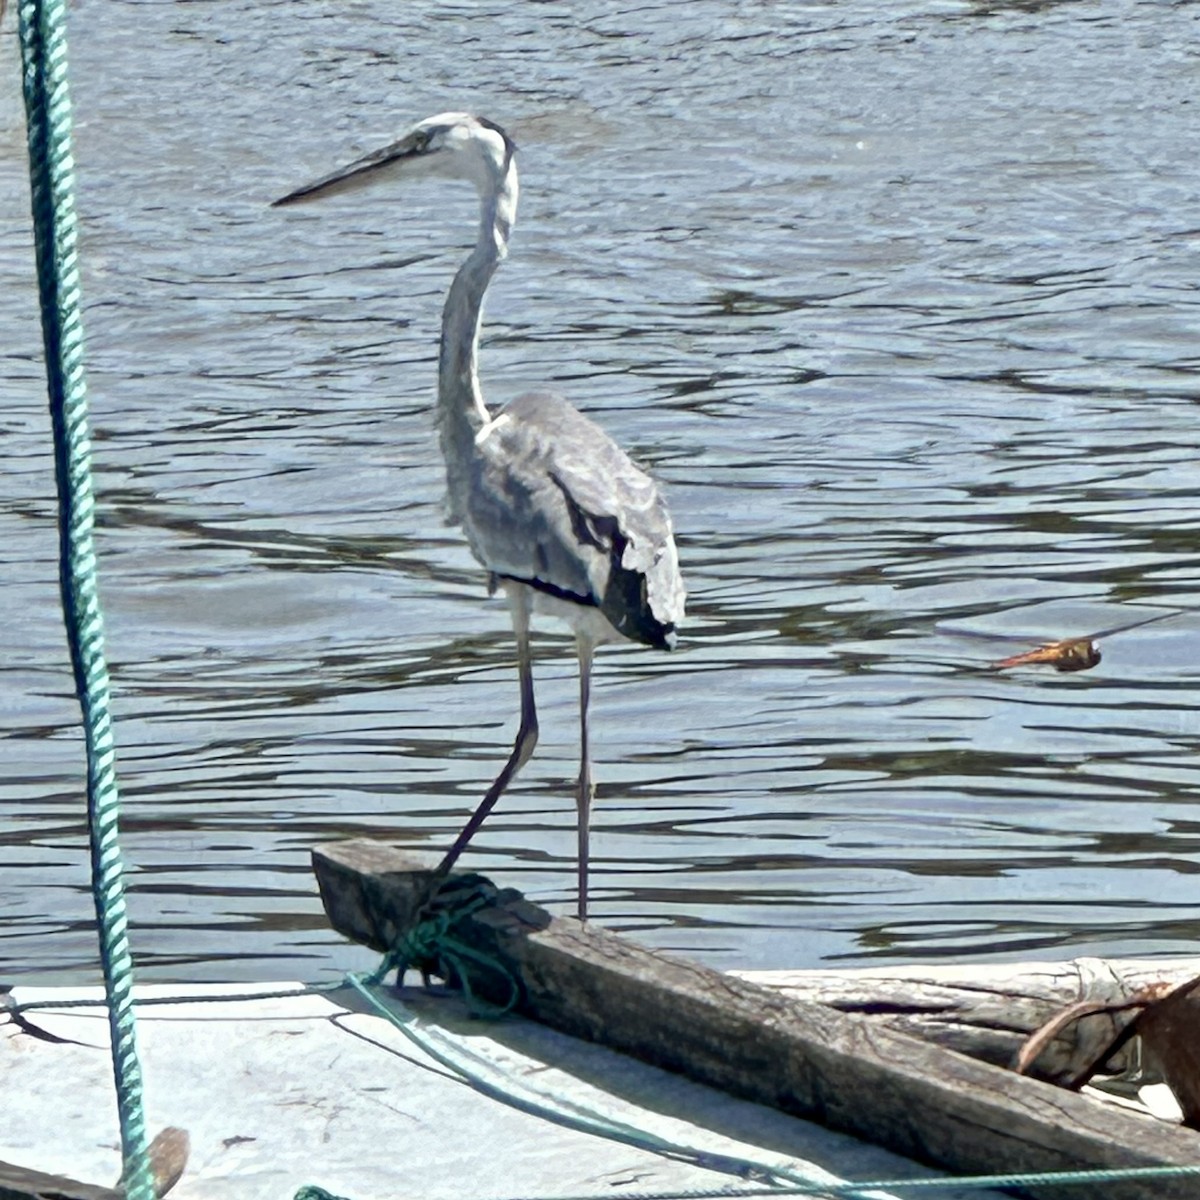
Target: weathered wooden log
988,1010
168,1159
21,1183
918,1099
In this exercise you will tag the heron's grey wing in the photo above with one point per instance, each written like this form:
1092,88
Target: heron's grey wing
558,503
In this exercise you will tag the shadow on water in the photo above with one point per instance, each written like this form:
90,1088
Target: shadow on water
921,389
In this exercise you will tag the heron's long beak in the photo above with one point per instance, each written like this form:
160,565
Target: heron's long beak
372,168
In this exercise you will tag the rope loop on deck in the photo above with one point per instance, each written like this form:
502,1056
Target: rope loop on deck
431,947
42,26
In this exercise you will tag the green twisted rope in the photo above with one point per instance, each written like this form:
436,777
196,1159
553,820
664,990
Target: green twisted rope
431,945
52,180
858,1191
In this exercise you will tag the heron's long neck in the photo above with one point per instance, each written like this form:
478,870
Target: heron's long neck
461,411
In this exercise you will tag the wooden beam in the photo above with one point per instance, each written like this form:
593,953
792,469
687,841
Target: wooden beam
920,1100
989,1010
168,1159
20,1183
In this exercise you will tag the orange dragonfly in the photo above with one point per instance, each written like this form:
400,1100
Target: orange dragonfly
1070,653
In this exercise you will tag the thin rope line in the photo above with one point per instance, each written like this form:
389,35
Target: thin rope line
851,1191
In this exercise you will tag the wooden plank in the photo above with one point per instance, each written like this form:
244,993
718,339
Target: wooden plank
988,1010
20,1183
923,1101
168,1159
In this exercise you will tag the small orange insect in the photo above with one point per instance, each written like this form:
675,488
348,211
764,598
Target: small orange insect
1072,654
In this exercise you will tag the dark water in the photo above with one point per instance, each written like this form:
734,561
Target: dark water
900,303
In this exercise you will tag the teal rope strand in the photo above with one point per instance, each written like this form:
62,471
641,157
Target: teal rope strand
431,944
857,1191
52,180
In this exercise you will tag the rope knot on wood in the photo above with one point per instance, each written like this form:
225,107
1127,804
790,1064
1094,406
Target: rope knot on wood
431,946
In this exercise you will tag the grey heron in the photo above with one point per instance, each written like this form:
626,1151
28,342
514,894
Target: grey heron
555,511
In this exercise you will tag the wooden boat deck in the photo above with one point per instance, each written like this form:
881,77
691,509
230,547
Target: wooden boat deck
856,1075
277,1093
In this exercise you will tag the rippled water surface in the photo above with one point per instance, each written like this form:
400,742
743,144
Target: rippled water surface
899,301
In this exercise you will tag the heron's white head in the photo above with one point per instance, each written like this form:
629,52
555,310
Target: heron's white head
453,145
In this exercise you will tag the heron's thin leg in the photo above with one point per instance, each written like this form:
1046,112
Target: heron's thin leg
527,731
584,799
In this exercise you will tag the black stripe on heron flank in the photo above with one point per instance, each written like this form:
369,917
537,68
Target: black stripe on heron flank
550,589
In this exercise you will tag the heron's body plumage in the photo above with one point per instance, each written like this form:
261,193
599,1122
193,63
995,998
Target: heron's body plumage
555,503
